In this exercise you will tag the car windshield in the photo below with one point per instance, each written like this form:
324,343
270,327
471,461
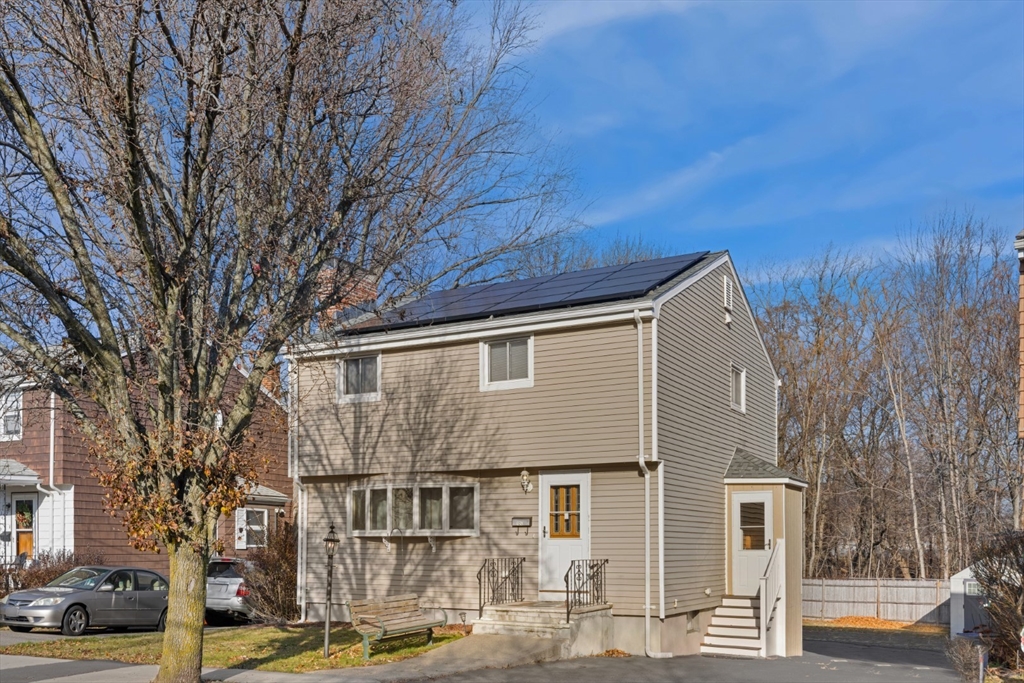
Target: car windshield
222,570
80,577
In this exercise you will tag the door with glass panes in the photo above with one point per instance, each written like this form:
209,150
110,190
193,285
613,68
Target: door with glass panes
565,526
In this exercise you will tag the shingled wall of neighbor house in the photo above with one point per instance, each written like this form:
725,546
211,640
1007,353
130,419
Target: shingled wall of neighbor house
581,410
92,527
699,431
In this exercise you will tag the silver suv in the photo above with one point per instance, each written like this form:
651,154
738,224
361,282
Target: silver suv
226,592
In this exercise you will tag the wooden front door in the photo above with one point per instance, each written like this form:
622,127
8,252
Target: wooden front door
565,526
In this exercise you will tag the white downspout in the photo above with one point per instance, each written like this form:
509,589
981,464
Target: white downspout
647,492
50,488
661,468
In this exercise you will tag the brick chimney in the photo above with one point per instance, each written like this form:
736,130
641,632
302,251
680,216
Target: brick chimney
358,290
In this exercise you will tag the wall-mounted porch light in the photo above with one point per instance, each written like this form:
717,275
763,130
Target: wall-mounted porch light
524,481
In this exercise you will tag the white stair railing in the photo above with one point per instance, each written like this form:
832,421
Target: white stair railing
771,588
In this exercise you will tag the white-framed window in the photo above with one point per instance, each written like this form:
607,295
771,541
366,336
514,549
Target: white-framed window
10,414
433,509
506,363
359,379
250,528
738,388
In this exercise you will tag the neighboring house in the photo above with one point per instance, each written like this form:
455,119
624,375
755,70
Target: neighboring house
613,413
51,502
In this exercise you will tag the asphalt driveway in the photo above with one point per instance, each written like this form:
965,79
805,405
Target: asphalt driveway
824,661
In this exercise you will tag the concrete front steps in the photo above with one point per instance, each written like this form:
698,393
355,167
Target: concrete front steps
590,630
734,628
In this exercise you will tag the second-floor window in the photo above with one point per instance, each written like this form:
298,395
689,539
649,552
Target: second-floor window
359,379
10,414
738,389
506,363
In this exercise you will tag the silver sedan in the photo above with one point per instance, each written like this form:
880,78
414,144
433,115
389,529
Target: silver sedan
89,596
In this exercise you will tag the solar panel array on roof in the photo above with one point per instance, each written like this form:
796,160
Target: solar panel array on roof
596,285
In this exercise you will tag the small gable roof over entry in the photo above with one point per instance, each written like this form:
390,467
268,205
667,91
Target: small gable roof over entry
12,471
750,468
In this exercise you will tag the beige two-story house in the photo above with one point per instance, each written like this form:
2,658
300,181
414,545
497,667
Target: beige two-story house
500,443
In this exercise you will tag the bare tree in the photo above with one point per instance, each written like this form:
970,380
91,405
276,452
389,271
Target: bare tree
582,249
188,183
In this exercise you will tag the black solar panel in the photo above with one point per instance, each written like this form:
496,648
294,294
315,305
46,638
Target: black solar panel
611,283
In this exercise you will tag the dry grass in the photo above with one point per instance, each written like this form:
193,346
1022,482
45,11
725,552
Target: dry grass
266,648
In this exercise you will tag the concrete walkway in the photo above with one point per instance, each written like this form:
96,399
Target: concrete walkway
467,654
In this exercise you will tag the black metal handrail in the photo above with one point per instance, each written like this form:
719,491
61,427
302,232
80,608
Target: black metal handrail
500,580
584,584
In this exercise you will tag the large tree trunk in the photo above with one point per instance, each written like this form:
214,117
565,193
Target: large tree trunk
182,658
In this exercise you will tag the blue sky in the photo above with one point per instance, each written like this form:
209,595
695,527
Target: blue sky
773,129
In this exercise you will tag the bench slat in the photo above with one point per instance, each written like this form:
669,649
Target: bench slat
409,597
390,609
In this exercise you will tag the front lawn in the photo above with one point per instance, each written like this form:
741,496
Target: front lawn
292,649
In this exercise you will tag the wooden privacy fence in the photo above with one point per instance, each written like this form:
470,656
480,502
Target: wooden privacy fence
916,600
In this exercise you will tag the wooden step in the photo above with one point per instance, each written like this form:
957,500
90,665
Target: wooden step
741,622
748,612
729,651
733,601
734,631
732,641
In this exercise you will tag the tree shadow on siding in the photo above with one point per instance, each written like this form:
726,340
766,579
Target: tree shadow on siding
428,427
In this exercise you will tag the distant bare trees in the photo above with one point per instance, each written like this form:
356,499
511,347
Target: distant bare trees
898,401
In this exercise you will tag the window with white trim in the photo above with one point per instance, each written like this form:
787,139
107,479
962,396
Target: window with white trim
359,379
10,414
414,510
250,528
506,363
738,389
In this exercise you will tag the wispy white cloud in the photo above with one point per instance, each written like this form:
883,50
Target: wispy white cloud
559,17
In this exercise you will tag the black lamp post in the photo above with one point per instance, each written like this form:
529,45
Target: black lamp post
330,545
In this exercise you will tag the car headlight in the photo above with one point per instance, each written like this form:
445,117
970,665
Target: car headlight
3,600
46,602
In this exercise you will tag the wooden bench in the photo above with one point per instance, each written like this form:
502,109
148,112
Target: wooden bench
391,617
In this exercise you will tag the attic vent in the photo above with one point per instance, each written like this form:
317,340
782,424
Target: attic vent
728,293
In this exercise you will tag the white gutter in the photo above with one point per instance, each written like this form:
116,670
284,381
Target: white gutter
478,329
647,491
661,469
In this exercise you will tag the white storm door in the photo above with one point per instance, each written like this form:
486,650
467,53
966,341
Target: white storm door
565,525
752,539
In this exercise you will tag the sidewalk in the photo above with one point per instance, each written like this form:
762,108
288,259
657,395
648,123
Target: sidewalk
467,654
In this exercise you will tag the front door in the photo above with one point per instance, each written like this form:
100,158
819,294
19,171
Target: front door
752,539
25,525
565,526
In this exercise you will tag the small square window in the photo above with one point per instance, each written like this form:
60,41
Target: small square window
738,389
506,364
359,379
255,528
12,424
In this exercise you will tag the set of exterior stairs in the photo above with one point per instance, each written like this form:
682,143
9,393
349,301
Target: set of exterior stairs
734,628
589,631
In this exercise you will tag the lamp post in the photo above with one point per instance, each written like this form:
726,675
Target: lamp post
330,545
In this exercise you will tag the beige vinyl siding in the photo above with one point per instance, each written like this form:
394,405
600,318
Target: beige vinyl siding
581,410
698,430
446,578
617,511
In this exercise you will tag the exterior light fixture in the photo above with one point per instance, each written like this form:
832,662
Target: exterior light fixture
330,545
524,481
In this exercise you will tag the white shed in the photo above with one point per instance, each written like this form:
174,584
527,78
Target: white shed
966,605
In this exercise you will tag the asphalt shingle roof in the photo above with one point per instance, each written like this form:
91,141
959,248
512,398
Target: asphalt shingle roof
748,466
13,468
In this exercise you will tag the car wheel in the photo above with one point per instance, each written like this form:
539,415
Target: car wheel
161,625
21,629
75,621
